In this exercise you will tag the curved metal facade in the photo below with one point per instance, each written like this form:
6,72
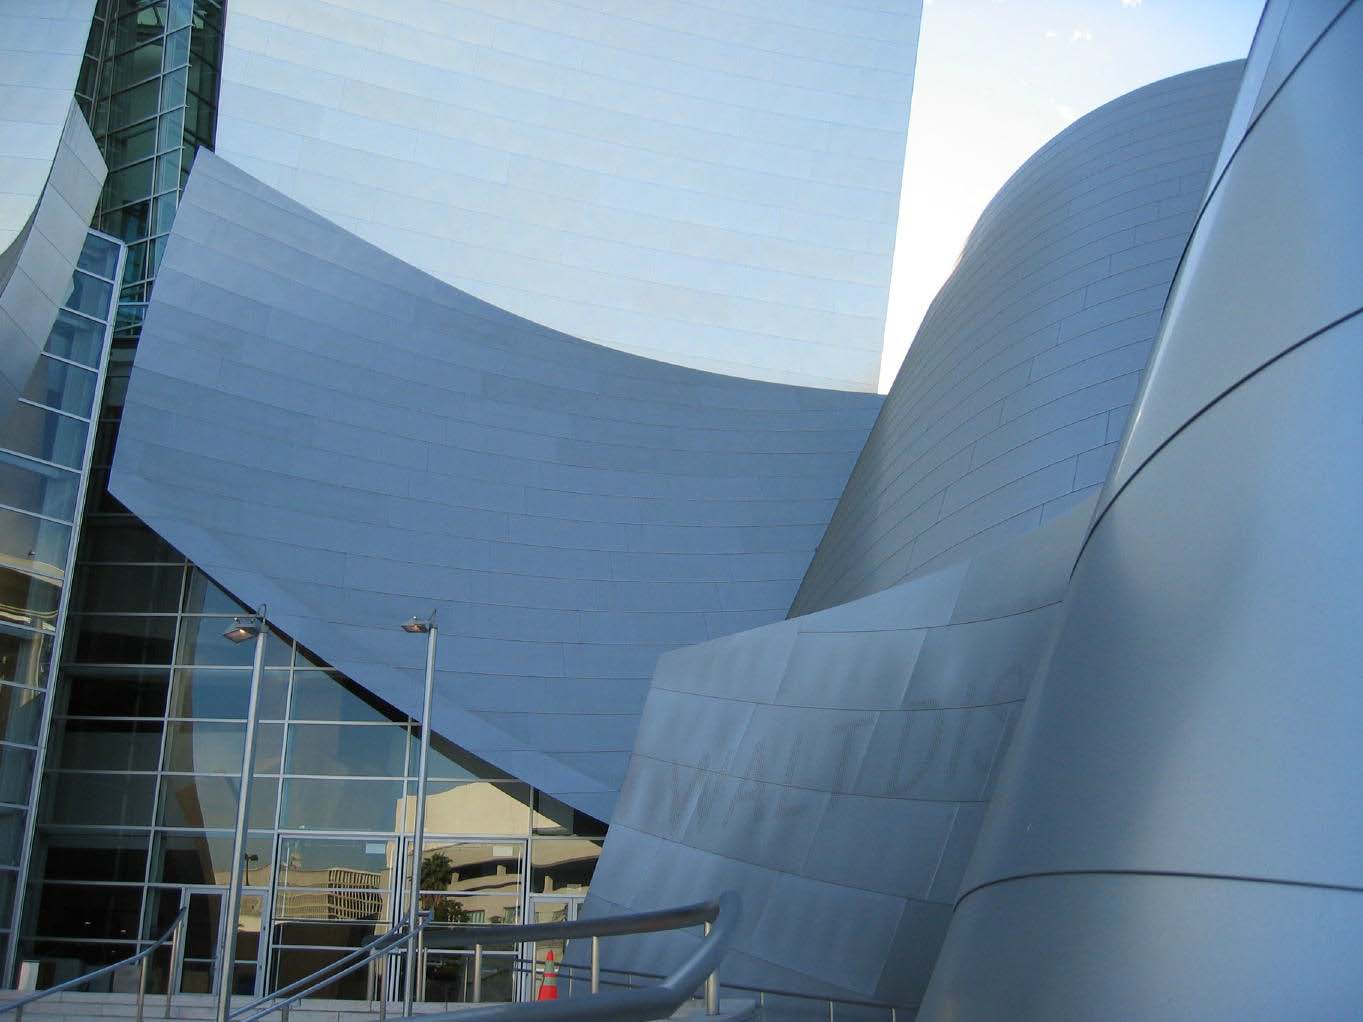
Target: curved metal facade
50,177
834,769
1010,403
711,184
1176,835
331,432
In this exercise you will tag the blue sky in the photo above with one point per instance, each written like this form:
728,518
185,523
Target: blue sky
995,79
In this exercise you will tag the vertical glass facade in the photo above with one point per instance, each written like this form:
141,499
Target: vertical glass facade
148,86
139,785
44,455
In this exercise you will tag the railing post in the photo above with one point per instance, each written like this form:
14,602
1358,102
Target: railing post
477,973
596,964
142,986
711,986
172,973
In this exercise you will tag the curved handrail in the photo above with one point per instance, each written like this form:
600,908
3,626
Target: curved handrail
383,944
70,984
657,1001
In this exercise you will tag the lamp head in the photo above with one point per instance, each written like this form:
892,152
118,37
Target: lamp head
416,626
243,628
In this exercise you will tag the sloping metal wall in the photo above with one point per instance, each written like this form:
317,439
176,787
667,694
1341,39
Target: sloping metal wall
331,432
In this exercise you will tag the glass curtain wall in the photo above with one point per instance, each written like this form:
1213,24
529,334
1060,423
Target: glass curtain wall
141,790
44,456
148,87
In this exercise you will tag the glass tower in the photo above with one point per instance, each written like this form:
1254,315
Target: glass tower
148,722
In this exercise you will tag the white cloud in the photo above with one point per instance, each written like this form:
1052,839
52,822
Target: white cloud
1131,3
1081,35
1066,112
1051,33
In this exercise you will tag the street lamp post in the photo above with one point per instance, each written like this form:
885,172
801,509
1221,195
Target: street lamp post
243,628
427,627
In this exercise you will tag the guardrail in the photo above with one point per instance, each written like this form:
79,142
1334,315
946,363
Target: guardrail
281,1000
171,936
719,917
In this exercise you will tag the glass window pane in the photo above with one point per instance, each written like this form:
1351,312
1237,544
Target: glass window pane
171,130
29,599
114,692
329,695
130,224
449,762
79,910
99,256
109,745
33,544
562,865
177,49
33,486
477,807
206,748
173,88
472,867
204,596
116,800
210,803
133,105
269,757
168,172
130,184
149,589
16,773
87,855
43,434
119,639
77,338
555,817
24,656
202,858
179,14
124,538
21,714
11,835
164,216
89,295
340,804
473,910
131,144
314,862
211,693
61,385
346,750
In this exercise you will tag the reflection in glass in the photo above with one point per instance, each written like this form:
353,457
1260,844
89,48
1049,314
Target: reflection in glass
476,808
16,773
116,800
62,386
76,338
311,804
209,692
137,589
21,714
110,745
44,434
329,695
89,295
33,544
114,639
24,656
98,256
562,865
203,859
204,596
210,803
200,747
346,750
472,867
38,487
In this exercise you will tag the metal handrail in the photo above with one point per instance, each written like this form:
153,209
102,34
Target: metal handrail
171,933
384,943
720,918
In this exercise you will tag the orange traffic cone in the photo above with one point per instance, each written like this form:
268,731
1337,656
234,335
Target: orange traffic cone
549,988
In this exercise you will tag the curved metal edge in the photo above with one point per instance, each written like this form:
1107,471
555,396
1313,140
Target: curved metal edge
653,921
113,967
658,1001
